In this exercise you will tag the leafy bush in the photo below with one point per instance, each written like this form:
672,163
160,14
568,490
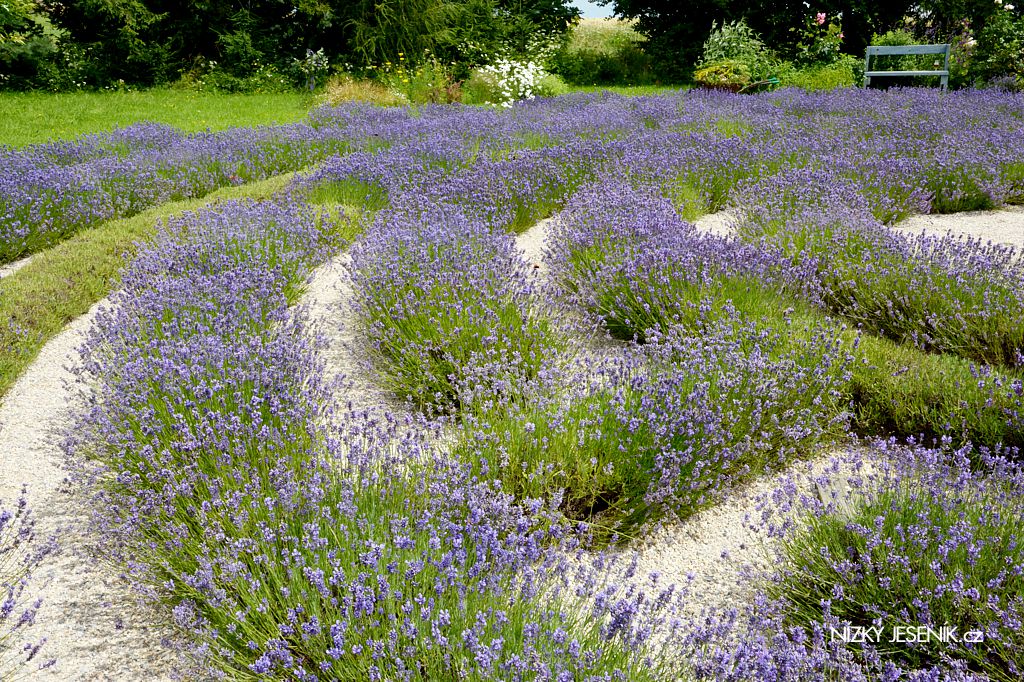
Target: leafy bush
845,72
728,74
999,55
819,40
736,42
213,77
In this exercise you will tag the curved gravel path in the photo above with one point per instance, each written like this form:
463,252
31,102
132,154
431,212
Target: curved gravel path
92,620
1003,226
11,268
328,301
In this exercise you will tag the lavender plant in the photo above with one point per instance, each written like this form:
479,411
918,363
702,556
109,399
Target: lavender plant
626,257
668,428
933,542
944,294
21,551
445,301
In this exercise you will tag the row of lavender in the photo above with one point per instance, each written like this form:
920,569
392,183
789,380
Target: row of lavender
956,153
908,152
51,191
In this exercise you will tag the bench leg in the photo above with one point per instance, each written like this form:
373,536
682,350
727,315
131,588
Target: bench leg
944,82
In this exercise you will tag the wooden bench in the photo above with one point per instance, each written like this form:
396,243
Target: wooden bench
879,50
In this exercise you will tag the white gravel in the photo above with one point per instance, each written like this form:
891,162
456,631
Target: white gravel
716,552
1005,226
532,244
11,268
722,223
328,300
92,620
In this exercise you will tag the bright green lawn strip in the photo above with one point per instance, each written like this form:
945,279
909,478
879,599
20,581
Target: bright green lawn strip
629,90
34,117
63,282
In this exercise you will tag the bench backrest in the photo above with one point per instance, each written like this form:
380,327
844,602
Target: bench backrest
879,50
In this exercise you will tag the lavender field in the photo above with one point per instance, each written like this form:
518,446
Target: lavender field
473,397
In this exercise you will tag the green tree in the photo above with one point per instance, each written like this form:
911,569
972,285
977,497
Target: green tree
151,41
676,31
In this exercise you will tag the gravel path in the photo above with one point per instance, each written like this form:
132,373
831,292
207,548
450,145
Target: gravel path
328,300
719,550
1005,226
532,245
90,617
11,268
721,223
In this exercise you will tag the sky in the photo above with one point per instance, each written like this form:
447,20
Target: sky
591,10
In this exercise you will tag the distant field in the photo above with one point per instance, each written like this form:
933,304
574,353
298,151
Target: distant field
27,118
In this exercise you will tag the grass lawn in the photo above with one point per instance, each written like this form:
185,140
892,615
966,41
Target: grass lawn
31,117
630,90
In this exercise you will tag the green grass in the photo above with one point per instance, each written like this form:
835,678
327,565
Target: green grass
900,390
629,90
59,284
33,117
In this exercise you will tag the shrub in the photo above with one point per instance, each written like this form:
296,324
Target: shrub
900,391
999,55
727,74
737,42
506,81
212,77
344,88
842,73
289,545
603,52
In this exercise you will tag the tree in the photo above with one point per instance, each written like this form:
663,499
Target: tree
152,41
676,31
